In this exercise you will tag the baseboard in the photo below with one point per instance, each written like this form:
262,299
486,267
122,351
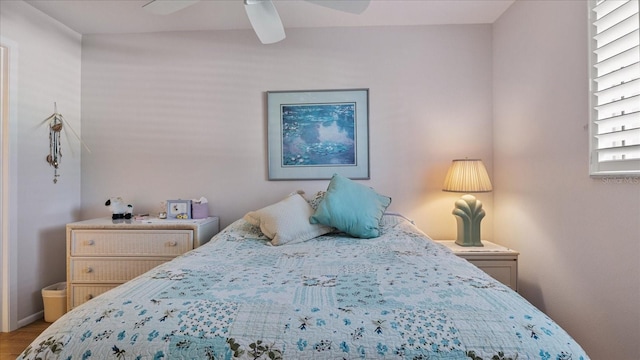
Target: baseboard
31,318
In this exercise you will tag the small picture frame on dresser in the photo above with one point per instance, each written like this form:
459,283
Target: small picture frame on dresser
179,209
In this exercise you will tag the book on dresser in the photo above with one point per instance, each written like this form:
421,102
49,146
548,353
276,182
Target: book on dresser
104,253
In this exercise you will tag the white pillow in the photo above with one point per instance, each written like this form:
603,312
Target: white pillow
287,221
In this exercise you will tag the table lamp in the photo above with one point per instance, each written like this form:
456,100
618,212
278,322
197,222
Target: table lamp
468,176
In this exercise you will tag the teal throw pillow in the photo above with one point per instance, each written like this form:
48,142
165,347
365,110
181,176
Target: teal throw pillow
352,208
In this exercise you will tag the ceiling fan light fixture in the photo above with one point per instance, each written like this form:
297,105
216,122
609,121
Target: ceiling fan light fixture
262,14
265,20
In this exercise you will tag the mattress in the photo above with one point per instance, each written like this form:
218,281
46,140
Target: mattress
398,296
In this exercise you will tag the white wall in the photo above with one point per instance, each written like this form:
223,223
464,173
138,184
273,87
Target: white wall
48,71
579,237
182,114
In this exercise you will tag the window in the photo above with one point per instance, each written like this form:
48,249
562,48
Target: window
615,87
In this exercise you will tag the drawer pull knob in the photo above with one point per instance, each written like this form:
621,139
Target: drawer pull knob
173,243
89,297
91,242
88,269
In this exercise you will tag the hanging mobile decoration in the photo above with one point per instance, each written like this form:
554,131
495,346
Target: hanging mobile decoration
55,148
56,121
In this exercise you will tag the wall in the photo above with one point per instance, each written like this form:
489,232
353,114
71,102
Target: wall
48,71
182,114
579,237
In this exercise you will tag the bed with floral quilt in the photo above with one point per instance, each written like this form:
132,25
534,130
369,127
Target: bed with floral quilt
397,296
333,277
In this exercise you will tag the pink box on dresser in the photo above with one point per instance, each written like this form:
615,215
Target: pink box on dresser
199,211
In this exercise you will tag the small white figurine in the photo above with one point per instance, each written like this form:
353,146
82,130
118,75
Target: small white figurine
119,209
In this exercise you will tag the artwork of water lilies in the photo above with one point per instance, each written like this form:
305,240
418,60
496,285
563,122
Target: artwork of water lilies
315,135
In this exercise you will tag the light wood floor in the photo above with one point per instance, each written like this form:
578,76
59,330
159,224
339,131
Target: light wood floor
13,343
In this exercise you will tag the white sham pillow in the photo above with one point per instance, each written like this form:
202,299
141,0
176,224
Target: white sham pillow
287,221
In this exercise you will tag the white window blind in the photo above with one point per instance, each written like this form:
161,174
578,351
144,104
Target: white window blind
615,87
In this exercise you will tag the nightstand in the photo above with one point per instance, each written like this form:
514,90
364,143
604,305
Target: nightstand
104,253
496,260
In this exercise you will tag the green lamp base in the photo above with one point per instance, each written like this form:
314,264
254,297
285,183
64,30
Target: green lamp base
469,214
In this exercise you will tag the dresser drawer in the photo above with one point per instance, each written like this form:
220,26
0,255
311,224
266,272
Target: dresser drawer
110,270
130,242
79,294
498,261
505,271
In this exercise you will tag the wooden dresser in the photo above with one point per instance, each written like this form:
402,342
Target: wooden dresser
104,253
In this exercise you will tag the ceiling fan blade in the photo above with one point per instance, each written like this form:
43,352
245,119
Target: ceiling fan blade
265,20
350,6
166,7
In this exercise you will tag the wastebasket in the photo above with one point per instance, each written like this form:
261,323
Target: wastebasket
55,301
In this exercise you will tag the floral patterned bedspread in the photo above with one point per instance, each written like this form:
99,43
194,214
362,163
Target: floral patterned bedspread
399,296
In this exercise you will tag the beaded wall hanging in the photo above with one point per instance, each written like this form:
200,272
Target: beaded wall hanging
55,124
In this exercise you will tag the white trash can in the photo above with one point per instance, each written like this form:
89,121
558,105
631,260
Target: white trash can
55,301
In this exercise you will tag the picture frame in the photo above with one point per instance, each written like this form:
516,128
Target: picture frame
314,134
179,209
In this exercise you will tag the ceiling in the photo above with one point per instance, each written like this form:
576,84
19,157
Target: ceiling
127,16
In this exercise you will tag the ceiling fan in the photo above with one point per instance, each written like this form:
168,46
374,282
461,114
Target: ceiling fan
262,14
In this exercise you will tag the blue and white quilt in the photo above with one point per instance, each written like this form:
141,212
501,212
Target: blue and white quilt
399,296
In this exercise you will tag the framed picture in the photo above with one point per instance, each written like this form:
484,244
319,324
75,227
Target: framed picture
178,209
317,133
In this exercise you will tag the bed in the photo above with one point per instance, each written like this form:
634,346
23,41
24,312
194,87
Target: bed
398,295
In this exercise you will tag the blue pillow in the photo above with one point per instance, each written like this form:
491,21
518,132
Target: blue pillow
351,207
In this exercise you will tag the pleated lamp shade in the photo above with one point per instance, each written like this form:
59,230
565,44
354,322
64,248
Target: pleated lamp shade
467,176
